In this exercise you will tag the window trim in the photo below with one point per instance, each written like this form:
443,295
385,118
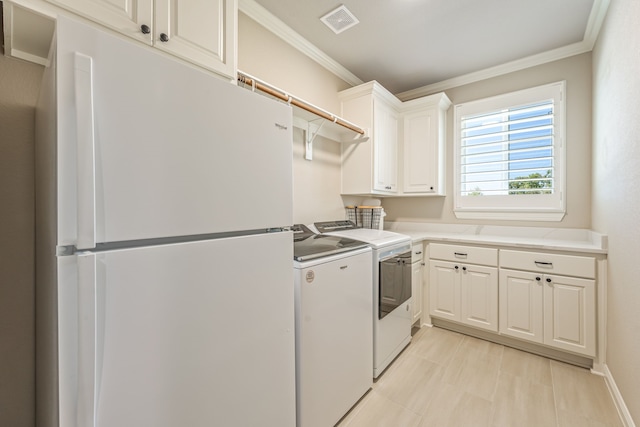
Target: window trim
554,207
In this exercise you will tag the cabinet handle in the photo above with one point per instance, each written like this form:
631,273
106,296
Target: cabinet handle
343,267
145,29
418,253
544,264
422,263
164,38
460,254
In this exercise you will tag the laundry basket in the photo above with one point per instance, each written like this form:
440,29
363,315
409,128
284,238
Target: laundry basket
365,216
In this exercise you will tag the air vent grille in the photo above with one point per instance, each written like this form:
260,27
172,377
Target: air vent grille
340,19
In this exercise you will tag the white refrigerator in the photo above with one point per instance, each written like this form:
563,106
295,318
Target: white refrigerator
164,278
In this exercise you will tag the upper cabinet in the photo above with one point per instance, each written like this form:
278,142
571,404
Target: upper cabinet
405,153
371,167
423,143
198,31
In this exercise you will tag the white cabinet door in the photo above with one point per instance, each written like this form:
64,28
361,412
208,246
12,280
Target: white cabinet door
423,143
444,290
386,148
479,294
570,313
197,30
521,299
125,16
417,269
421,163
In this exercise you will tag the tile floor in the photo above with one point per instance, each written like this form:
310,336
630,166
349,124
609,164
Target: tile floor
447,379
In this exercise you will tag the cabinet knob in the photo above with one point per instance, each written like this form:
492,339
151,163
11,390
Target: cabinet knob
464,268
164,38
431,188
548,280
456,267
538,279
145,29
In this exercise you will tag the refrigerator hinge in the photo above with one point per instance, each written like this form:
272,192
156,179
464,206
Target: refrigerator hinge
65,250
276,230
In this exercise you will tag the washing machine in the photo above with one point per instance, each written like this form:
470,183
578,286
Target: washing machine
333,309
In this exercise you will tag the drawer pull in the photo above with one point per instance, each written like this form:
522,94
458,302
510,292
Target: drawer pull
419,252
544,264
460,254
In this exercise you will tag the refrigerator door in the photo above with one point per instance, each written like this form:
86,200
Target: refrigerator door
151,147
191,334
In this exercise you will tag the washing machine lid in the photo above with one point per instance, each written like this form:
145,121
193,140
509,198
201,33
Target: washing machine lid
308,245
374,237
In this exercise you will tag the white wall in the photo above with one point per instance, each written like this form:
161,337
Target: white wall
576,71
19,83
616,189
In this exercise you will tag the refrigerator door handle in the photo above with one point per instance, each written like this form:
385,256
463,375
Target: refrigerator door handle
86,164
87,281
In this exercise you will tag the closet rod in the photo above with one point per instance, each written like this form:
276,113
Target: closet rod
277,93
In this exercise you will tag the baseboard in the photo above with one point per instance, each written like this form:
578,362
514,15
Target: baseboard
623,411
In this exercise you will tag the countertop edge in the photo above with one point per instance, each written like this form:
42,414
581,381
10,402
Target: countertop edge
519,242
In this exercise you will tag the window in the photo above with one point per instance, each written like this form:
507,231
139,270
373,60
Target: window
509,156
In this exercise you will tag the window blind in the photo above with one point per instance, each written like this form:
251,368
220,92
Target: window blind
508,151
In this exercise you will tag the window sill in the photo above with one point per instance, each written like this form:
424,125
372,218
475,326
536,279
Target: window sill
510,216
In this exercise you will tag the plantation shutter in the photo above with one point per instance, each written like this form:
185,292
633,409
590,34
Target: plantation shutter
508,151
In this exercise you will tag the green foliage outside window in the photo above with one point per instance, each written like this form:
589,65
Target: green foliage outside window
535,183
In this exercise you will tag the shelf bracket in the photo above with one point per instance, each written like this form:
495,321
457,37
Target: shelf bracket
312,131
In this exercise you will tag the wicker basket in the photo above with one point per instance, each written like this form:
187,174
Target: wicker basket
365,216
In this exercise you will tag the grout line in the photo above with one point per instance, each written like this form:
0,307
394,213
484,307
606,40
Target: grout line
553,390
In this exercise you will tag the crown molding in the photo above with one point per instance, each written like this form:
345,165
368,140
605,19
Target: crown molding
265,18
498,70
596,19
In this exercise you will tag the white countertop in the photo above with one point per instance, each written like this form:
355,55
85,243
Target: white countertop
557,239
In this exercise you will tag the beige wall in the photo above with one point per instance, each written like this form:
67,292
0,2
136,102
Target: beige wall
19,82
269,58
576,71
316,193
616,193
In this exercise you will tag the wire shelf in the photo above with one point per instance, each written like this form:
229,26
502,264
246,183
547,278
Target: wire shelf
364,216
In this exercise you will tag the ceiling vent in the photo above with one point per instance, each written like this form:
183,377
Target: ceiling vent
340,19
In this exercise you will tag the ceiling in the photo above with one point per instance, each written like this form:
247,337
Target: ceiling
409,44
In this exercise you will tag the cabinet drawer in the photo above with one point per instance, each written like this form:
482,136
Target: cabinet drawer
464,254
417,252
567,265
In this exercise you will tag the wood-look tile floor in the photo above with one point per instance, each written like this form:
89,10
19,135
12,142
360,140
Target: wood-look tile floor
447,379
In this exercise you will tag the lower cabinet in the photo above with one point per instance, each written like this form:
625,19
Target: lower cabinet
462,291
543,298
557,311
